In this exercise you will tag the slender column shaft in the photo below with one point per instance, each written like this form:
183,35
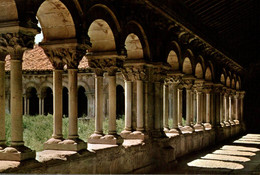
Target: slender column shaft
166,106
230,108
16,104
226,107
73,103
28,106
25,104
208,107
180,107
128,105
112,104
236,108
188,107
242,108
218,108
57,104
221,118
175,106
158,106
98,104
194,99
140,105
199,111
40,105
203,107
2,102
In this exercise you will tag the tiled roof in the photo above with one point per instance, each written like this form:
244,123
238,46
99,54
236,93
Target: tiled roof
36,60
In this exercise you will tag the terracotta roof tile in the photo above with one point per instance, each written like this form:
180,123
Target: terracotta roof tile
36,60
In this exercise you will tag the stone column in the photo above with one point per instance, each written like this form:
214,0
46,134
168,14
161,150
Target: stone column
216,103
112,103
57,104
166,107
221,108
179,106
236,98
230,116
242,95
128,106
208,108
73,104
158,106
16,103
226,109
40,104
198,126
188,109
175,128
99,103
2,102
140,105
25,104
194,103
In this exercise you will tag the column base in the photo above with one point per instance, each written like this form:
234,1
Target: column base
222,124
227,123
207,126
236,122
65,145
175,131
133,135
187,130
199,127
166,129
16,153
105,139
231,122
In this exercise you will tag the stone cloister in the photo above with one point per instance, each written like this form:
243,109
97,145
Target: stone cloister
167,72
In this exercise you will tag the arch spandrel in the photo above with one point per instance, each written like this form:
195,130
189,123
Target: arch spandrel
134,47
56,21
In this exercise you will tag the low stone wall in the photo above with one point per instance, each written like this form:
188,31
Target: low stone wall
145,157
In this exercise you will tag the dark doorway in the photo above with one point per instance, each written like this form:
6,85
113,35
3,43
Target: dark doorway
184,104
48,101
82,102
33,101
120,102
65,101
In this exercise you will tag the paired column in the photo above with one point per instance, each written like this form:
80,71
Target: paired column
73,104
128,106
199,126
99,103
16,103
188,108
2,103
226,108
221,108
140,105
25,101
230,116
166,107
179,106
208,108
175,128
112,103
57,104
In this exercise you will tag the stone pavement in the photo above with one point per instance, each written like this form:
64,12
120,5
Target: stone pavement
240,156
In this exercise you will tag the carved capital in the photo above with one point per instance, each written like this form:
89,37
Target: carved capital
3,53
16,43
132,73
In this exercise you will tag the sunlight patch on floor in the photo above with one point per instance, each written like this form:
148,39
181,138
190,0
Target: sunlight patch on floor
234,153
215,164
239,148
226,158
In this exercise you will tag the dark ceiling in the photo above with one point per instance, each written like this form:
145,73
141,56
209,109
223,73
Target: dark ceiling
232,26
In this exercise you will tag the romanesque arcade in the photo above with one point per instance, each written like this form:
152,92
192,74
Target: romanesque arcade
176,85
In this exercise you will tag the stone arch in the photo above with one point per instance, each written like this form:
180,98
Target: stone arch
228,83
45,85
237,85
120,82
47,95
120,101
32,101
201,61
56,21
82,102
101,17
187,66
8,11
30,85
211,67
208,74
136,41
199,71
101,36
233,84
173,60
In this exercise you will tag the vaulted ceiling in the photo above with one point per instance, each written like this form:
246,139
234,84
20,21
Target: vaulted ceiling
233,26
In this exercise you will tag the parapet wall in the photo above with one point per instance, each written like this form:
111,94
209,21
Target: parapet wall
144,157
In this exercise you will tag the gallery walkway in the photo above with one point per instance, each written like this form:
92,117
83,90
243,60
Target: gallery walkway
240,156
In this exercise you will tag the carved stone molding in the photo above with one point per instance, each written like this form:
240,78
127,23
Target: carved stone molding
16,43
69,54
132,73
